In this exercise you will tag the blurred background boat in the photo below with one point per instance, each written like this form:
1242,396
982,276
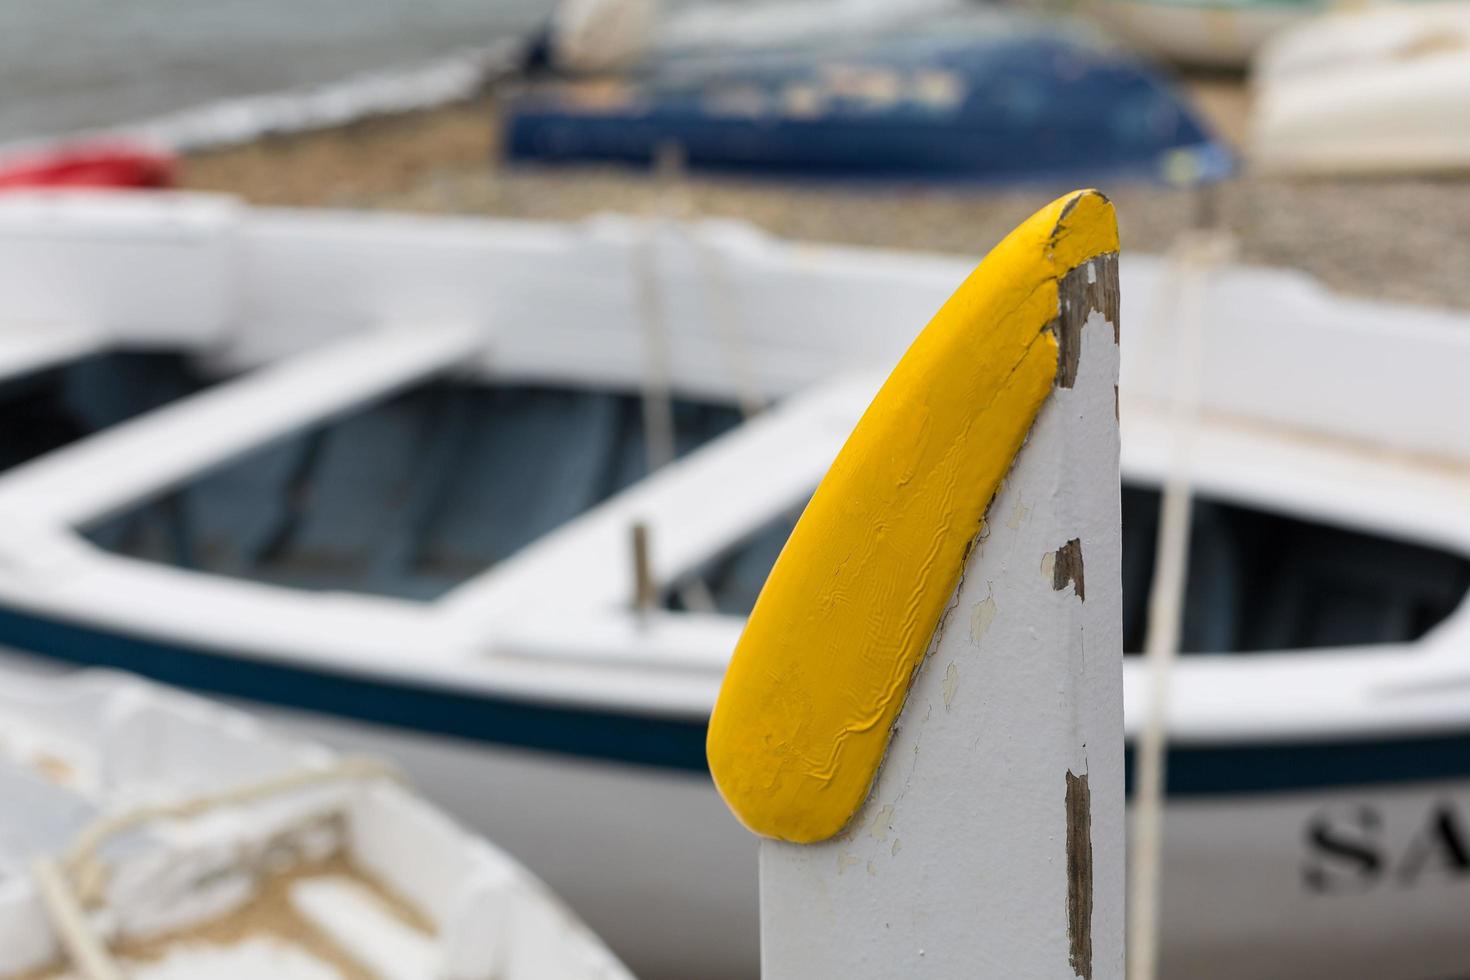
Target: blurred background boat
148,828
90,165
394,500
1217,34
975,94
1384,89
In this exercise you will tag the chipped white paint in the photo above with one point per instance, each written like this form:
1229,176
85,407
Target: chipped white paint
951,682
975,781
981,616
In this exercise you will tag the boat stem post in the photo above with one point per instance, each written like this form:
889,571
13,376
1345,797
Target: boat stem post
990,842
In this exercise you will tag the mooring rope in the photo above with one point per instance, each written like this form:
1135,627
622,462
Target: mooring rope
69,885
1194,258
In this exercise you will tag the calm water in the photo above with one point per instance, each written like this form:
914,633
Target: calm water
77,64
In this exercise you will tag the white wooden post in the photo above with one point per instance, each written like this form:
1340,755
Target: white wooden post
991,843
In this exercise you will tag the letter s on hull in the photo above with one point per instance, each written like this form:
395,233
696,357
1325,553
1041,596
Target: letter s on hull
1344,851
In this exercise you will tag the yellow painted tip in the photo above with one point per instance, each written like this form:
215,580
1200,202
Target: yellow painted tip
841,627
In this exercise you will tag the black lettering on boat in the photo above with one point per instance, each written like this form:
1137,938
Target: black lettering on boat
1344,851
1438,849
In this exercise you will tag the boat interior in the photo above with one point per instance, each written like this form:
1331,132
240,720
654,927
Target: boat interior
1257,581
422,491
60,404
411,496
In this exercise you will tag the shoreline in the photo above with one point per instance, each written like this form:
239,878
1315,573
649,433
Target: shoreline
1358,236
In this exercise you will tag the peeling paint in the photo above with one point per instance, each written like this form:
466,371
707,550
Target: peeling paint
981,616
881,822
1079,875
897,846
1019,511
951,682
845,861
1083,291
1049,565
1067,567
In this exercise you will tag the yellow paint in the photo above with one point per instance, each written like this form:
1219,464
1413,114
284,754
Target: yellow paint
841,627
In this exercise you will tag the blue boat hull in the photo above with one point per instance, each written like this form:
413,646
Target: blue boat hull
956,108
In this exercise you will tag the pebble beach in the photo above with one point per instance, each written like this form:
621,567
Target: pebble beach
1366,237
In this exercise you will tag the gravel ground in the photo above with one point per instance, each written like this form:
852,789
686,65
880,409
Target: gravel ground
1395,238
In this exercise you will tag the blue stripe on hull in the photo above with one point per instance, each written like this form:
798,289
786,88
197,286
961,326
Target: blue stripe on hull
672,743
649,740
1294,767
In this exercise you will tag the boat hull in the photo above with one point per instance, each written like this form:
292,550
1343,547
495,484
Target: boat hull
1368,882
1224,37
1376,91
1347,882
650,857
957,103
1346,858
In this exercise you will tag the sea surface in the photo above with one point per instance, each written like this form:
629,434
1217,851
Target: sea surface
69,65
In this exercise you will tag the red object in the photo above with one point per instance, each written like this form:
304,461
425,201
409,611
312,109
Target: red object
91,166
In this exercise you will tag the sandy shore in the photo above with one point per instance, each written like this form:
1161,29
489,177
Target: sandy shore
1389,238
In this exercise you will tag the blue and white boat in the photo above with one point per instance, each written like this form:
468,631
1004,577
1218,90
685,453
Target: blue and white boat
974,94
381,478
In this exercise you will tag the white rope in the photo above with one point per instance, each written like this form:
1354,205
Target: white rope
1194,258
82,946
721,306
658,409
69,885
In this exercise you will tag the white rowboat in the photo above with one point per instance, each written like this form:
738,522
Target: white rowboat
1380,90
1203,33
192,842
448,578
